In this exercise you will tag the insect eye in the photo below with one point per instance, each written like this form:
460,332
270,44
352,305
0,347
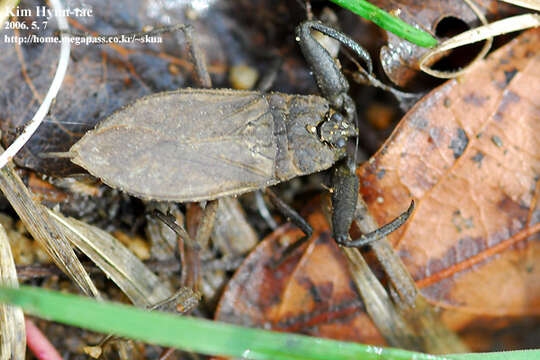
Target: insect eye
337,118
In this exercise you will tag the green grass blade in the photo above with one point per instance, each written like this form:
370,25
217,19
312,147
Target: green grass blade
199,335
388,22
187,333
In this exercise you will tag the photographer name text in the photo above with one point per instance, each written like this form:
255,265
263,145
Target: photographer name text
44,11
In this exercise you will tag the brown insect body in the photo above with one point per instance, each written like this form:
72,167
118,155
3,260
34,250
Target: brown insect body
200,144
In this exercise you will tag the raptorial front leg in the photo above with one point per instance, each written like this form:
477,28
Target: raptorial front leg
344,197
334,86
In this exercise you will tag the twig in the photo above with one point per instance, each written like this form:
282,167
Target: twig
529,4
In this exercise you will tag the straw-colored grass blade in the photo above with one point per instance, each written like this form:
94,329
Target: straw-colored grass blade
44,230
139,284
12,331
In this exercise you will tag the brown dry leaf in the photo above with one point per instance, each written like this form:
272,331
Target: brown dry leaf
234,237
311,292
469,155
400,58
45,191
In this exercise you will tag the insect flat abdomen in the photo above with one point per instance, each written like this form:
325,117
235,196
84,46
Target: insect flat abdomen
186,145
300,151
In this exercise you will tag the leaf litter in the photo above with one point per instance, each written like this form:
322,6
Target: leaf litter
458,146
471,245
482,194
401,59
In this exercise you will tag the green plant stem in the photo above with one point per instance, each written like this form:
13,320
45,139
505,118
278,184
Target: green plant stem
199,335
388,22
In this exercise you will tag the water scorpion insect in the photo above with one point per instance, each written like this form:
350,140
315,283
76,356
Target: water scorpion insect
201,144
196,144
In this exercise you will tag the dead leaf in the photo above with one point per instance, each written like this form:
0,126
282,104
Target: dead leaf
232,234
469,155
45,191
311,292
400,58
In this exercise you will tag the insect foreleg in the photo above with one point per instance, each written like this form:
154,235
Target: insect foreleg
328,75
334,86
344,197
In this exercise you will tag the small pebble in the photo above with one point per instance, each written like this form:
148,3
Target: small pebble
243,77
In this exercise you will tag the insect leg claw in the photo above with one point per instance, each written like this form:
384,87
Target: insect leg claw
380,232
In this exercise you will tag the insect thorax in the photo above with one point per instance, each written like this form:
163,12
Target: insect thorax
298,121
